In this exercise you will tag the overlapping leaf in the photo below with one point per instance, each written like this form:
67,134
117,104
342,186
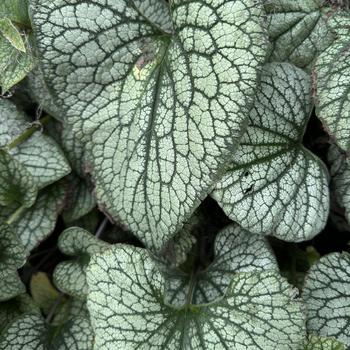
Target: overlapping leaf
159,93
38,221
298,30
236,251
332,78
17,185
16,11
12,257
340,172
327,296
127,310
275,185
39,154
70,276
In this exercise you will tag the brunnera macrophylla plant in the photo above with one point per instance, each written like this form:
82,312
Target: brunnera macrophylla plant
162,181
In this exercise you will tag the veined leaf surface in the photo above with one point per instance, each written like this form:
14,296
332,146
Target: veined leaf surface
236,251
298,29
127,310
157,92
12,257
321,343
275,185
332,79
327,296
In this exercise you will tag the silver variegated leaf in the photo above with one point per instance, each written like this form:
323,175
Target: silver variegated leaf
275,185
340,172
236,251
12,257
70,276
31,332
158,92
128,312
37,222
332,79
327,296
299,30
17,185
39,153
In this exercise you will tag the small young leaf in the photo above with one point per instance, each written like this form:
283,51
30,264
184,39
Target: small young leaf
127,310
236,251
38,221
340,172
275,185
298,30
157,92
332,78
319,343
9,31
327,296
70,276
17,185
12,257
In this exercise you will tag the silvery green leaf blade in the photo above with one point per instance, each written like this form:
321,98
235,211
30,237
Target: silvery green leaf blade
70,276
15,307
43,158
30,332
37,222
327,296
12,257
332,79
80,200
340,172
13,122
298,30
128,312
16,11
14,64
276,186
159,94
17,185
236,251
320,343
39,153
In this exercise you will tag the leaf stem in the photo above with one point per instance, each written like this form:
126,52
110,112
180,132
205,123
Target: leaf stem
27,133
17,213
102,227
54,308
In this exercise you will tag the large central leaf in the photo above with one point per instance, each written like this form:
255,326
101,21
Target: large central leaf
157,92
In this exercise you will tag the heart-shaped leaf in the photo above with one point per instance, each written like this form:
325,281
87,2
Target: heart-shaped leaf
332,78
275,185
298,30
158,92
327,296
236,251
12,257
70,276
127,309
